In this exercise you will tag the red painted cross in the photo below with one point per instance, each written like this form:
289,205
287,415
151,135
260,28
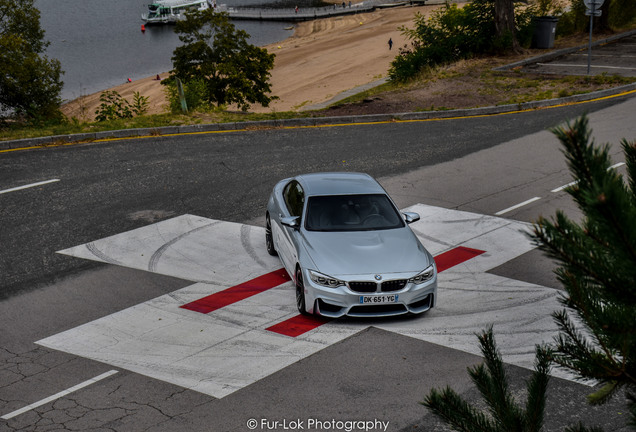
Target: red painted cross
239,292
300,324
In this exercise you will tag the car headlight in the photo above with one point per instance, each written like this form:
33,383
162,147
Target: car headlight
324,280
424,276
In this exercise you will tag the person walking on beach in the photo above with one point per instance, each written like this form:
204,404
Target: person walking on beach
390,43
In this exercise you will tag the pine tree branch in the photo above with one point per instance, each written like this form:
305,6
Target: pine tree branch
450,407
537,388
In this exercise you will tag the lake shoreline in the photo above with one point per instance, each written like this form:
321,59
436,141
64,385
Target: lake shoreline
322,59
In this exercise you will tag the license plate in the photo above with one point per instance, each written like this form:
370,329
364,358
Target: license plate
379,299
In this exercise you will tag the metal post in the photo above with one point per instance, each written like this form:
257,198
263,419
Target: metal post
589,48
182,99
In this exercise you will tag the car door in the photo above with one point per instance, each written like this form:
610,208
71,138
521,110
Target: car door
293,203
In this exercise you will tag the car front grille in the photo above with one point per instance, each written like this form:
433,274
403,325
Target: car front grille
371,287
363,287
389,309
393,285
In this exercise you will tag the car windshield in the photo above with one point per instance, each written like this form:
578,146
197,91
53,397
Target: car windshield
351,213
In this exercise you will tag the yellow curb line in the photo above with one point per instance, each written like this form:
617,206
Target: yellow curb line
324,126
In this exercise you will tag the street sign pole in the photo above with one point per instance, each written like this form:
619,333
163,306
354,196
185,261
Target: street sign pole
593,9
589,45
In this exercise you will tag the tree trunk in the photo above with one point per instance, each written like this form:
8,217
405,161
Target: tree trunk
505,21
602,23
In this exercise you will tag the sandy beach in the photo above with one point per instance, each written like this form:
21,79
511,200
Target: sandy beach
322,59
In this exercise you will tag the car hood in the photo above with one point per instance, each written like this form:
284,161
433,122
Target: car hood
366,252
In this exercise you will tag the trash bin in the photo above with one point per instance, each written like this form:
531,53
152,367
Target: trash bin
544,30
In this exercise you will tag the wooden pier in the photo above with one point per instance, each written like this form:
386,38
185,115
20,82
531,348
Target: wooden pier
306,14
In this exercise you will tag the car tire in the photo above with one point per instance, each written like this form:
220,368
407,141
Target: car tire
300,292
269,239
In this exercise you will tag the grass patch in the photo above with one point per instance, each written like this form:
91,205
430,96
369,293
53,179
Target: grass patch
467,83
10,130
371,93
474,83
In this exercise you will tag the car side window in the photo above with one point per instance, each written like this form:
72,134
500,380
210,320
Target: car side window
294,198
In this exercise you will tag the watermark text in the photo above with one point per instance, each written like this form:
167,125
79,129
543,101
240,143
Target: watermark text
312,424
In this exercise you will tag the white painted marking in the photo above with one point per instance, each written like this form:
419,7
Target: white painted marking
58,395
228,349
581,66
606,55
559,189
515,207
616,165
29,186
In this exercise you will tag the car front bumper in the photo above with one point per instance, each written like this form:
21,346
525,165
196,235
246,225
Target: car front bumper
343,301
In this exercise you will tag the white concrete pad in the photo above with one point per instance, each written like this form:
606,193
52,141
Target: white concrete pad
227,349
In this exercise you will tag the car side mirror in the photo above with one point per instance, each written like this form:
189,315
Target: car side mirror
411,217
292,222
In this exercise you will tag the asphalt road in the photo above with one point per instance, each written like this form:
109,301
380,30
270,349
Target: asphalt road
486,165
107,188
618,57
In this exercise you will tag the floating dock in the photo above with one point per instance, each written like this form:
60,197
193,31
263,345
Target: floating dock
306,14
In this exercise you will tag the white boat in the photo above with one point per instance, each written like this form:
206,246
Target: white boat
171,11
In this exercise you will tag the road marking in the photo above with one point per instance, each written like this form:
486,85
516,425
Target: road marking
238,292
299,324
559,189
391,122
29,186
606,55
581,66
222,352
514,207
58,395
455,257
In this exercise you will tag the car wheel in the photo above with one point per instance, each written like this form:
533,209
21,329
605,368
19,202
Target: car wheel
269,240
300,292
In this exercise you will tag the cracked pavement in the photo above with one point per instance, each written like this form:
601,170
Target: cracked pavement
372,374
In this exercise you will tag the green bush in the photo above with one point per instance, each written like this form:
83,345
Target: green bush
453,33
573,21
139,104
194,91
114,106
622,14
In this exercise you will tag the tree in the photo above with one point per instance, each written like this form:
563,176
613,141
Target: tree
29,81
597,266
492,382
598,271
616,15
233,71
505,22
453,33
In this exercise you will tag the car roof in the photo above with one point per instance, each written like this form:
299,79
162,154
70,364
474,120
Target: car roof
339,183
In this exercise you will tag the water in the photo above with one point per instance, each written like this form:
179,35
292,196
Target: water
100,44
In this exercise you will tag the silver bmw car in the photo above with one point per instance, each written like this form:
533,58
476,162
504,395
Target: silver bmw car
347,248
